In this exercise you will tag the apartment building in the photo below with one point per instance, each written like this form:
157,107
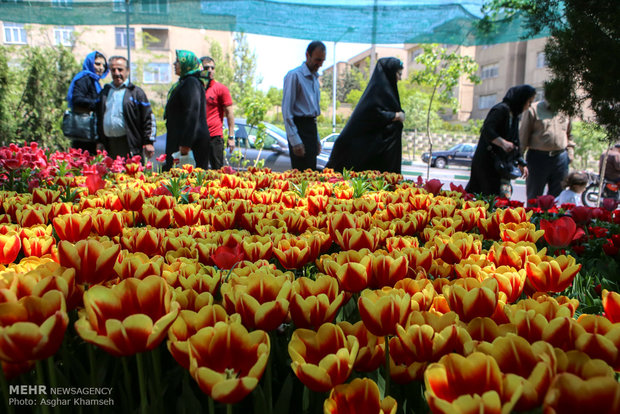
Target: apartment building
500,67
152,47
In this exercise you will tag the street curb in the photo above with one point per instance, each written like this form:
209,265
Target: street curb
455,177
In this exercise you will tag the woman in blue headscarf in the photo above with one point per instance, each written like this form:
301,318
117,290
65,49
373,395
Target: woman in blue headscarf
84,90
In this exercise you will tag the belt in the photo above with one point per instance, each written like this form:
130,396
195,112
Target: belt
548,153
313,118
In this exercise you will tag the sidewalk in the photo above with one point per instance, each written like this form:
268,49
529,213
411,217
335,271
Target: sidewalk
413,169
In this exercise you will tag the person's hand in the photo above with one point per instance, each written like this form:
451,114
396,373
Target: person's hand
506,145
400,116
184,150
524,171
149,150
299,150
231,144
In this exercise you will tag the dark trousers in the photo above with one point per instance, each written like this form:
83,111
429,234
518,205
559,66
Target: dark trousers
216,158
118,146
306,127
200,148
545,169
90,146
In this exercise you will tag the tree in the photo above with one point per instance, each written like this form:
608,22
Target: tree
581,52
441,74
34,97
353,79
7,124
244,64
274,97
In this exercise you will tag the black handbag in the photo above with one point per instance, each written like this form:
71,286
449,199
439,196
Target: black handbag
80,127
508,169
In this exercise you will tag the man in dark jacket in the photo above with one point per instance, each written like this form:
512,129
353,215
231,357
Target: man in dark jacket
125,121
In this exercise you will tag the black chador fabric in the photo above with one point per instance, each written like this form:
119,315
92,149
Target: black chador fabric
371,140
186,121
501,121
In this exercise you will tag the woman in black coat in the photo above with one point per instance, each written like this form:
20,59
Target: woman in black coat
185,114
84,90
499,140
371,139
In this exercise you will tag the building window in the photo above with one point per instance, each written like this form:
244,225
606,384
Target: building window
487,101
63,35
62,3
154,6
156,73
119,5
541,60
489,71
121,37
15,34
156,39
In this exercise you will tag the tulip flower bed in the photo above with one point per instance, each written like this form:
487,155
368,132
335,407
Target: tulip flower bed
297,292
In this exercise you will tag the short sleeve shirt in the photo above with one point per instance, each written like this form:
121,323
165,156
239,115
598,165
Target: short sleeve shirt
218,98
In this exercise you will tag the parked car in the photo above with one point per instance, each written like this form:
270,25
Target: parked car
460,154
275,148
327,143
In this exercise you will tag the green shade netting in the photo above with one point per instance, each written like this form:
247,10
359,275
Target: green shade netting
355,21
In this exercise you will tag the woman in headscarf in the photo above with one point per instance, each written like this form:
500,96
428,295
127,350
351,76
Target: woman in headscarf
499,141
84,90
185,112
371,139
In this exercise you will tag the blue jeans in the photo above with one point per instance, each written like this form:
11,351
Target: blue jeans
545,169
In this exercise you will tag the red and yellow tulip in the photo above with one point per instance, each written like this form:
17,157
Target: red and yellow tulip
357,397
130,317
227,361
322,359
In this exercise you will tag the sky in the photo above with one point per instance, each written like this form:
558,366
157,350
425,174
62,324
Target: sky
275,56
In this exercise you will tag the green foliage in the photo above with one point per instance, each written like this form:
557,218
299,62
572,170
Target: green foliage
354,96
589,143
38,111
224,70
442,70
581,52
244,64
415,103
7,124
441,73
360,186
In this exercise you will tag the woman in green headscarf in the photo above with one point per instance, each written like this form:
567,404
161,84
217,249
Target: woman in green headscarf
185,112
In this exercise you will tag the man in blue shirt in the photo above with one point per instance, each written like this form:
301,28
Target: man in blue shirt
300,107
125,122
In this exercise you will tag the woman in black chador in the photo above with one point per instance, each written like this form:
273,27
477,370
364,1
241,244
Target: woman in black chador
499,141
371,139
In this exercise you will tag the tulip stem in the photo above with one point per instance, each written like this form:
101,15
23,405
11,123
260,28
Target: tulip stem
91,361
5,391
51,368
268,377
142,383
229,408
387,366
155,359
45,409
127,379
211,406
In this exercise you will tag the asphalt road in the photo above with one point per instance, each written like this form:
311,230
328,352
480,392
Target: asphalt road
452,174
457,175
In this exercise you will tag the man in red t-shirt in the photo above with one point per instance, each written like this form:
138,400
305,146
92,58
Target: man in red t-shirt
219,104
